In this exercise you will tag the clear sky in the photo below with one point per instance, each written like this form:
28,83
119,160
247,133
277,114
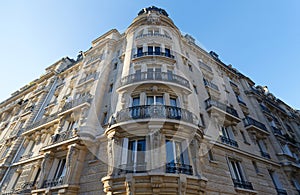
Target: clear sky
261,38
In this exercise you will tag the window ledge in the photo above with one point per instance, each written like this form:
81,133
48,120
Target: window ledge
245,190
214,162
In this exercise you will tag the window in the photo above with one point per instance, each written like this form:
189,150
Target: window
210,155
237,174
139,51
190,68
255,166
263,149
296,184
71,125
5,151
135,110
277,182
195,89
115,66
167,52
227,136
177,157
138,75
111,86
60,171
286,150
153,31
244,137
105,118
154,50
134,155
155,100
154,73
173,102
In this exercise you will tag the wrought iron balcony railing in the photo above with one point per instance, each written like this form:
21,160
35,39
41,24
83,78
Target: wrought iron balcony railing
157,76
153,35
155,111
133,168
26,156
210,84
281,191
41,122
205,66
53,182
242,184
241,102
229,141
211,102
62,136
179,168
76,102
265,154
91,76
248,121
154,53
277,131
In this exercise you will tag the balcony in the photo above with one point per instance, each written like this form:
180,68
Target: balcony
41,122
255,126
26,156
156,112
65,135
179,168
277,131
132,168
154,54
242,184
90,77
230,114
155,76
53,182
153,35
229,141
265,154
74,103
281,191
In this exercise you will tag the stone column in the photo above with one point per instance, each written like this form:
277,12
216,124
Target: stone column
155,148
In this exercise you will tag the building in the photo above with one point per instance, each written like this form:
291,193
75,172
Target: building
147,111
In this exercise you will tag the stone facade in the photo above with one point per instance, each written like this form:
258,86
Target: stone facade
147,112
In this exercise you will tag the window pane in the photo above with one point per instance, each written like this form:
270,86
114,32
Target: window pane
173,102
150,100
136,101
141,148
159,100
169,151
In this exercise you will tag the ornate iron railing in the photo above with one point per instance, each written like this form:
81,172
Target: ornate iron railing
65,135
211,102
229,141
250,121
179,168
91,76
133,168
76,102
242,184
42,121
265,154
53,182
210,84
159,76
153,35
154,53
156,111
281,191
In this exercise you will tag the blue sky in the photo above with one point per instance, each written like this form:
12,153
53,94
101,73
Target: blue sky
261,38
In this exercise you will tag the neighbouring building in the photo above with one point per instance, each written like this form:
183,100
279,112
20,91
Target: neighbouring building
147,111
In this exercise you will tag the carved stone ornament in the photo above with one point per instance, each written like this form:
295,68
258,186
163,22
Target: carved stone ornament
153,18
